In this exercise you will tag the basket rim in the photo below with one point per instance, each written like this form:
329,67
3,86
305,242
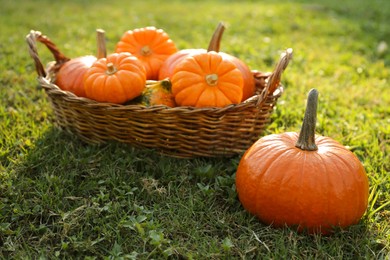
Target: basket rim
54,90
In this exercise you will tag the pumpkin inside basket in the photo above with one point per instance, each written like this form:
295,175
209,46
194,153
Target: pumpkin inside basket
175,131
214,45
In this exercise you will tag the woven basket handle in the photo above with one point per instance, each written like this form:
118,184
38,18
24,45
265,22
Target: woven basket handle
32,39
274,79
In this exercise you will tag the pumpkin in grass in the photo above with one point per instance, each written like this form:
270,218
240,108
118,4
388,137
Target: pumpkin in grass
116,79
169,65
70,76
303,180
207,80
150,45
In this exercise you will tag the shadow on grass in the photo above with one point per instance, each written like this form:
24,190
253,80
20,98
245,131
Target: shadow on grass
70,198
74,197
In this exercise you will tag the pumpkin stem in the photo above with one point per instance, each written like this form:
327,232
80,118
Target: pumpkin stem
306,139
216,39
212,79
110,68
101,44
146,51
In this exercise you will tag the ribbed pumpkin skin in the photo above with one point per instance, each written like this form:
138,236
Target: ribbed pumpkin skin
125,84
249,81
170,63
71,74
313,190
150,45
168,66
190,87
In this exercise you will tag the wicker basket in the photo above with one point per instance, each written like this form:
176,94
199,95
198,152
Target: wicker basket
179,132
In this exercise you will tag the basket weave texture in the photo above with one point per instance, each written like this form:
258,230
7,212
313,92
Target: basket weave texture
179,132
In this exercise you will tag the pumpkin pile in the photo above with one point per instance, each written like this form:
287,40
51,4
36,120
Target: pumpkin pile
148,69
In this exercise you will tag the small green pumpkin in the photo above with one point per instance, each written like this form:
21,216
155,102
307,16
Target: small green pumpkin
156,93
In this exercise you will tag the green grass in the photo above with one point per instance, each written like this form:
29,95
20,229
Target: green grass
61,198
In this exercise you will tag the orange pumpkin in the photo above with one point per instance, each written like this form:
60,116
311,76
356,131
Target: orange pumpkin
116,79
214,45
150,45
207,80
249,81
169,64
71,74
303,180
